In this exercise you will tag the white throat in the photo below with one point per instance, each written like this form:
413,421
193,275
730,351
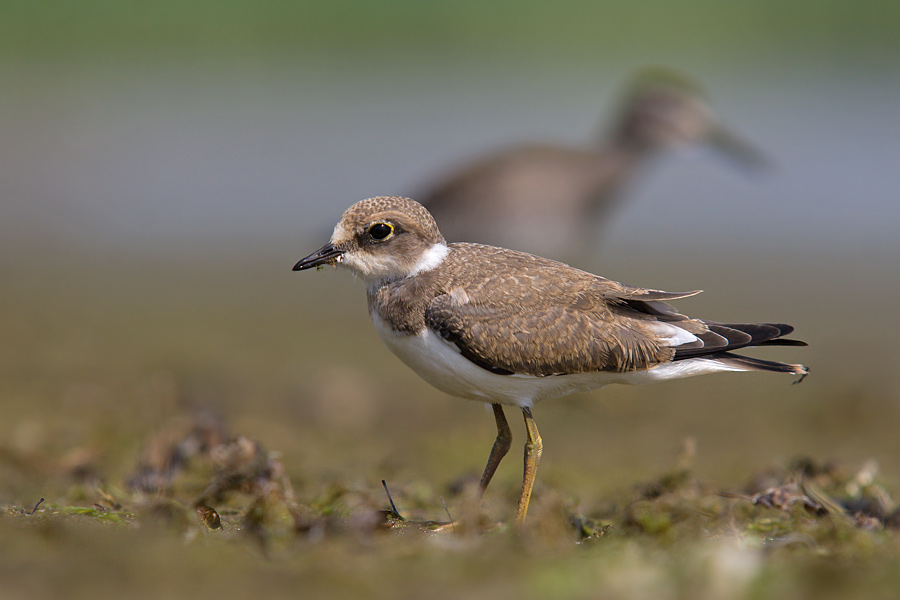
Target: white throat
430,259
378,270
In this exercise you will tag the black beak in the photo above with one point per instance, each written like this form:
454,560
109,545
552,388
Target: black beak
326,255
737,149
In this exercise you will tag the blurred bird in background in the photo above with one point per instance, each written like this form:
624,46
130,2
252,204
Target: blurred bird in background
552,199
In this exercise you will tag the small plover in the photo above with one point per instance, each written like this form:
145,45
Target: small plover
550,198
510,328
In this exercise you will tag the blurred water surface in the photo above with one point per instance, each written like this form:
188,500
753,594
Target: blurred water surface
146,148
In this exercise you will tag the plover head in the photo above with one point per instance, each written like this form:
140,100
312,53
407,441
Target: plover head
382,239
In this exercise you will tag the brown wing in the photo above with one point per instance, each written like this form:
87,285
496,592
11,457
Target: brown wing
513,314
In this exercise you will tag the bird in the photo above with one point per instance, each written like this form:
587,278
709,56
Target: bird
509,328
554,198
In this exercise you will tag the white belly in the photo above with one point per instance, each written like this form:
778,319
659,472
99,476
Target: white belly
439,363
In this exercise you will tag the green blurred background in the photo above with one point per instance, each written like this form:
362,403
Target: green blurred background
163,165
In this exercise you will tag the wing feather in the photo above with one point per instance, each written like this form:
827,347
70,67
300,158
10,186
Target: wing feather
515,313
519,316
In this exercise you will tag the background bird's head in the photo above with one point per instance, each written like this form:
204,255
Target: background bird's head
663,108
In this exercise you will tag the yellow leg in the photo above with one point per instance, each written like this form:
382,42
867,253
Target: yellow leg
533,449
501,446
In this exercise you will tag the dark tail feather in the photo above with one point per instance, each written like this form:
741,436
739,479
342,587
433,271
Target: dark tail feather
783,342
759,332
724,337
778,340
758,364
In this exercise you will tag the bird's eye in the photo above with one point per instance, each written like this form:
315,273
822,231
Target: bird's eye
381,231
